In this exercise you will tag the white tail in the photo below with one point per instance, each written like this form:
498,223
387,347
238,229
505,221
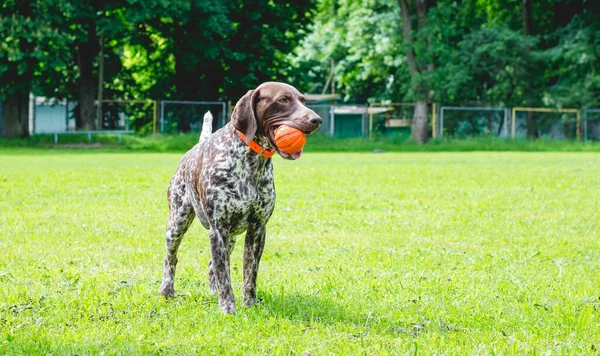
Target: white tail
206,126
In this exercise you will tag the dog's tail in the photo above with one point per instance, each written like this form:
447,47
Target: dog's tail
206,127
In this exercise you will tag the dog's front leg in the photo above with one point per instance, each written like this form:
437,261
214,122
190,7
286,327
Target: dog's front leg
253,248
219,253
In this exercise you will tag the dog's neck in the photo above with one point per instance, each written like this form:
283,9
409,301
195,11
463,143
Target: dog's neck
263,141
259,146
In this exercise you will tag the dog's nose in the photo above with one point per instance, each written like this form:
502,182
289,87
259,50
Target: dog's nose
316,120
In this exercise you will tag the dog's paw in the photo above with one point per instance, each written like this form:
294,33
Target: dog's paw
166,290
228,308
249,302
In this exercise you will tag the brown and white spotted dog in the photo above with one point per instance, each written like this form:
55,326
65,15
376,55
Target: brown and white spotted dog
226,181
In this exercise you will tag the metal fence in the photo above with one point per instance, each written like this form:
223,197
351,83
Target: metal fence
481,120
185,116
343,120
591,125
546,123
62,116
384,119
339,120
137,115
395,119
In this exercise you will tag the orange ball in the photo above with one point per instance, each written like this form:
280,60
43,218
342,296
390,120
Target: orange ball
289,140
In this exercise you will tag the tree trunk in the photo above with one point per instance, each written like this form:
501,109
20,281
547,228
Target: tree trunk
99,115
407,34
527,17
418,127
16,114
419,130
530,122
86,53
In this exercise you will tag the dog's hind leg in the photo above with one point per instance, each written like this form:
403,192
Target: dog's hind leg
181,217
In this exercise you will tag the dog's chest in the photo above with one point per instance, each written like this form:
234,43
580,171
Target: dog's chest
240,190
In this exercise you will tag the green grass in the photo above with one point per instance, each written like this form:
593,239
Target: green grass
414,253
316,143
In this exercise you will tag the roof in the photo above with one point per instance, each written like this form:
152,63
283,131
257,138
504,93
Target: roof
351,110
321,97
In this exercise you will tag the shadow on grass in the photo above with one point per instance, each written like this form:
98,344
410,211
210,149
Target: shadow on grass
308,308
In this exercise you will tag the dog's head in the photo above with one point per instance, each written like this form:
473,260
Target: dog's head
270,105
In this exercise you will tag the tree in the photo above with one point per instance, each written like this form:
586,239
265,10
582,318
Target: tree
571,52
218,49
362,39
28,38
264,33
574,70
88,23
491,65
420,60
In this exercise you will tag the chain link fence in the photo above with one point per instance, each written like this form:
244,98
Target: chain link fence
591,125
556,124
50,116
472,121
187,116
62,116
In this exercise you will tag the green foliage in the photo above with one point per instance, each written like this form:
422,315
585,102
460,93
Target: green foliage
445,253
264,32
212,50
28,49
575,65
477,52
181,49
362,38
474,52
492,65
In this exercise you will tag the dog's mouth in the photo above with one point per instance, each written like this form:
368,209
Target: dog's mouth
290,156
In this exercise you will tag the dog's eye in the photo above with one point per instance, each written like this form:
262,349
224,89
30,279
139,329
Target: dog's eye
282,101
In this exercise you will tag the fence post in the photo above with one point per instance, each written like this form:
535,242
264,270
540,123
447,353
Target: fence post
363,121
332,120
442,122
229,108
578,126
505,129
154,113
585,125
513,120
433,120
370,121
162,116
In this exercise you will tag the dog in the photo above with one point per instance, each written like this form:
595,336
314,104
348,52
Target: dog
226,181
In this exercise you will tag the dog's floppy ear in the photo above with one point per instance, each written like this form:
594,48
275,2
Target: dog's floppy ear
244,115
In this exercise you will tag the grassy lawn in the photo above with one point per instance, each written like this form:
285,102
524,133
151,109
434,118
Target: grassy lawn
391,253
316,143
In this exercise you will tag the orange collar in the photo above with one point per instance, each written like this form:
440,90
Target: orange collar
260,150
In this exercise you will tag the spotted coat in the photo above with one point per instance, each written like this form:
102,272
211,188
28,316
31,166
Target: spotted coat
230,189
